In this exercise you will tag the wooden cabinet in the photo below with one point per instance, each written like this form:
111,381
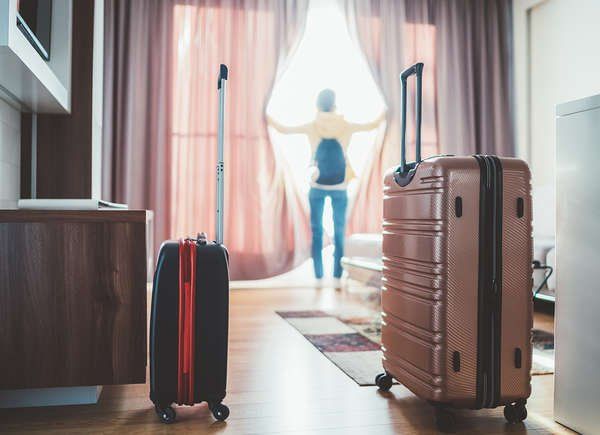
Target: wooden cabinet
72,298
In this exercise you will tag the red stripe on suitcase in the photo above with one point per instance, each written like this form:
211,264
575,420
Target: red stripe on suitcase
187,297
181,321
192,322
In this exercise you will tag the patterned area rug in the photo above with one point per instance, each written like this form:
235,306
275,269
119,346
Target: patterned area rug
543,352
352,343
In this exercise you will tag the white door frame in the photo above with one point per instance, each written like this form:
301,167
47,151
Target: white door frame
522,75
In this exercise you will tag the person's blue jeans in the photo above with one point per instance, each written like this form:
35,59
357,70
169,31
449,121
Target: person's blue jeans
339,203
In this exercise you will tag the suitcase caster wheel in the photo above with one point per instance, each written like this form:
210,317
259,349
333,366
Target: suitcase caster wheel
219,411
167,415
444,420
515,413
384,381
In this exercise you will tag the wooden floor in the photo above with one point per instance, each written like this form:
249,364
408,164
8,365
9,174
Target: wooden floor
279,383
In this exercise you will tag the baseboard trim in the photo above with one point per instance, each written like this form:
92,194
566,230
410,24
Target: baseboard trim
59,396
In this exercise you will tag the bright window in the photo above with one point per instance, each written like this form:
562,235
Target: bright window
326,57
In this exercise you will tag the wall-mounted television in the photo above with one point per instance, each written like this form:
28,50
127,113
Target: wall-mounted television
34,19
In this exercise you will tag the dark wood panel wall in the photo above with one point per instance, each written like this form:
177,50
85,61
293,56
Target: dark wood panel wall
25,155
64,142
72,298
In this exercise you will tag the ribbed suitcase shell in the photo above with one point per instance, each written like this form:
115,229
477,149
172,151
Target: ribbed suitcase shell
430,280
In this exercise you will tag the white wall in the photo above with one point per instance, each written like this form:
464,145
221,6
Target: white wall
97,98
10,155
557,59
565,65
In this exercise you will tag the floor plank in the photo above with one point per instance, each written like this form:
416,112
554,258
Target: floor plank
279,383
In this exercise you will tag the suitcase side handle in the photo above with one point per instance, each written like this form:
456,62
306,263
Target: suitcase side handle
416,69
221,87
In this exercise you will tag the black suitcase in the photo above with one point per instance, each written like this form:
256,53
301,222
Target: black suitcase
188,340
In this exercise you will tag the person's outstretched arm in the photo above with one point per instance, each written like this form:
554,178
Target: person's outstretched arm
367,126
288,129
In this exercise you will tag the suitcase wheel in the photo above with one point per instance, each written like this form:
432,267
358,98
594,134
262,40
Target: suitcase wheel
515,412
384,381
167,414
219,411
444,420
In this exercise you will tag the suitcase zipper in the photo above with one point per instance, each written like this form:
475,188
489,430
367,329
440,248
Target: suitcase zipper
482,326
492,277
496,289
489,283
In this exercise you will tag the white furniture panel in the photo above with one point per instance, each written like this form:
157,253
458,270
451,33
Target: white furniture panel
10,155
26,79
577,383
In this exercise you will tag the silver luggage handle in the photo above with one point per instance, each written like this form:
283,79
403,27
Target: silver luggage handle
416,69
221,87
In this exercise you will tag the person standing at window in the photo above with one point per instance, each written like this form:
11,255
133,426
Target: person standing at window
329,135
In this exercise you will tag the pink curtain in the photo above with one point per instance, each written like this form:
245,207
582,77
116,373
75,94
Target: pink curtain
266,227
136,167
392,35
474,55
266,230
465,46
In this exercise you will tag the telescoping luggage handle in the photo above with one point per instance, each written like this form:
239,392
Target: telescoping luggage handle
221,86
416,69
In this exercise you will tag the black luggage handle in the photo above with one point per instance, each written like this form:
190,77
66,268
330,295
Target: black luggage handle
222,75
416,69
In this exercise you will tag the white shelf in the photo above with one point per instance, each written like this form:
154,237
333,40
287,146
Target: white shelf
28,80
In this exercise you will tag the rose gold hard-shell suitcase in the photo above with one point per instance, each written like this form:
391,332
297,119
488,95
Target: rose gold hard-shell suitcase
456,296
